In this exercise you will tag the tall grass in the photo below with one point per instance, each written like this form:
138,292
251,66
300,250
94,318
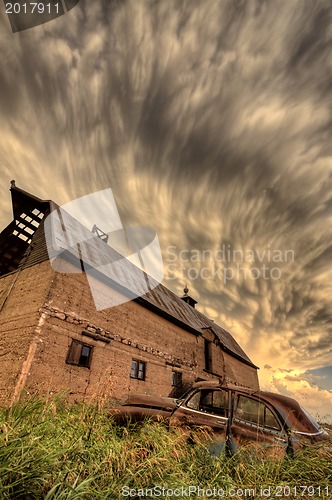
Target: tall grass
52,450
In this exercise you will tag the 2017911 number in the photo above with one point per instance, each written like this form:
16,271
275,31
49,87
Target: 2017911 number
32,8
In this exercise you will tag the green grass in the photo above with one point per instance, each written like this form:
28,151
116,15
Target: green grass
52,450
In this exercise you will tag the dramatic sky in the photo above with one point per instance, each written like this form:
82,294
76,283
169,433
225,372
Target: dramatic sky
211,121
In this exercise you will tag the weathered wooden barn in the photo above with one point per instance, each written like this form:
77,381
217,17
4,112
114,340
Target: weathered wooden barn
52,338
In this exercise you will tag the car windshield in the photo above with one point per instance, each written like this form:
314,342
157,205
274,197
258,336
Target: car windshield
183,397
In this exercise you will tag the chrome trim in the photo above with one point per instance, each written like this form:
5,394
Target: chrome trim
307,433
202,413
267,430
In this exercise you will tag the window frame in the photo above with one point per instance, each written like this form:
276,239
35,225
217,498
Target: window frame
75,356
208,362
135,374
176,378
201,405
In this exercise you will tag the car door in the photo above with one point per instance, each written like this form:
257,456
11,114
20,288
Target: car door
205,414
255,421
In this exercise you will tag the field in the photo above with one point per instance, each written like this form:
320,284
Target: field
52,450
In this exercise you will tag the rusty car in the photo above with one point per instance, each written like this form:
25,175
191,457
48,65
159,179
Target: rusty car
231,416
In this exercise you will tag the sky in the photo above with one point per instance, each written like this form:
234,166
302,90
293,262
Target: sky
211,122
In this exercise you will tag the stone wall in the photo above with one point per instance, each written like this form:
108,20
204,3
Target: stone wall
240,373
21,294
45,310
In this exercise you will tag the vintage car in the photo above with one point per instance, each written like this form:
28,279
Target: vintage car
231,416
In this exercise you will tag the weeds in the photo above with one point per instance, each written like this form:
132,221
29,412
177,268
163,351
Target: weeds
53,450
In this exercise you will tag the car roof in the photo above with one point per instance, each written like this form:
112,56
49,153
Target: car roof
222,384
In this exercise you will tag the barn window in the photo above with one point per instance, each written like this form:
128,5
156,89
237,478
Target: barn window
176,379
208,355
138,369
79,354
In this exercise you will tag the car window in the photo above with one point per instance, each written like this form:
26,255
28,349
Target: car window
270,419
210,401
193,402
253,411
249,410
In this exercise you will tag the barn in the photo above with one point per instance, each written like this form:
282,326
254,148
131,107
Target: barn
53,338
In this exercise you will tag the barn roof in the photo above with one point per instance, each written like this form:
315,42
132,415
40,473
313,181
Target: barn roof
23,244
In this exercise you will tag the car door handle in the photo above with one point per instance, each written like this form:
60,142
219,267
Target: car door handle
221,422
